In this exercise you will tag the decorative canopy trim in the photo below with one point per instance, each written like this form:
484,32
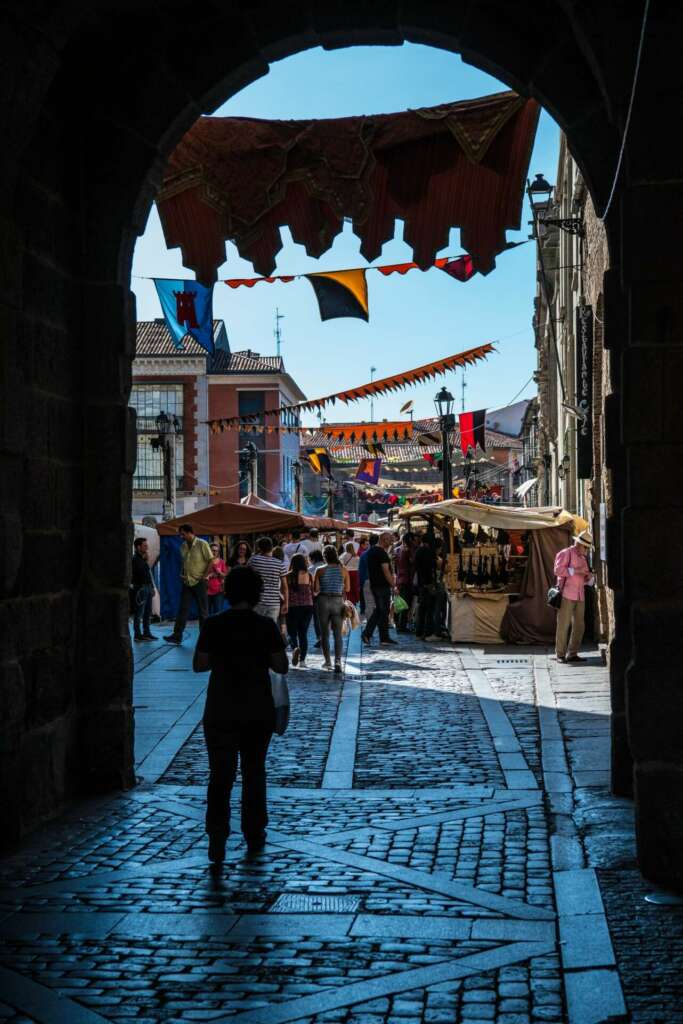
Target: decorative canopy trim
457,165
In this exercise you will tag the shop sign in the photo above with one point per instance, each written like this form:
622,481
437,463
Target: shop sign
584,392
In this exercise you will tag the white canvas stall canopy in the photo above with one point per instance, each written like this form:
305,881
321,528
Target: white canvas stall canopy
524,618
498,517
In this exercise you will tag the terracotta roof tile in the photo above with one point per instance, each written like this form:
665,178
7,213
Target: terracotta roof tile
154,340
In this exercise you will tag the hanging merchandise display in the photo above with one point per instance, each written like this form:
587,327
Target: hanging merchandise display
386,385
460,164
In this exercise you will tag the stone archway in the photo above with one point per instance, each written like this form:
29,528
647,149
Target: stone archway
94,104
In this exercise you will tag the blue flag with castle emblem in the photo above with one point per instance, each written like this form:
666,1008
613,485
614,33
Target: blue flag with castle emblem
188,309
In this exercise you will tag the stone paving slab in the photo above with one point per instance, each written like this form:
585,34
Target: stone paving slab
449,799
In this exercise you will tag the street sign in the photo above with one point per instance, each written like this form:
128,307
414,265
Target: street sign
584,392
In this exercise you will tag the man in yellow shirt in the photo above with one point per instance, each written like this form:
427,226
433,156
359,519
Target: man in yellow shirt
196,557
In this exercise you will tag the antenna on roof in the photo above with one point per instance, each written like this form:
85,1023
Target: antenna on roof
278,331
463,385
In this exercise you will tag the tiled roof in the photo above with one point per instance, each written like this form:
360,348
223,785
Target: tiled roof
154,340
406,451
245,362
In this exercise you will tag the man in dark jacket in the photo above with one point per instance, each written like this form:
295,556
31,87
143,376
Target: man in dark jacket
142,586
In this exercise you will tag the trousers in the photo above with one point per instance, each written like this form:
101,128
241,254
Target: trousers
142,610
298,620
198,594
330,607
570,614
249,742
425,610
380,613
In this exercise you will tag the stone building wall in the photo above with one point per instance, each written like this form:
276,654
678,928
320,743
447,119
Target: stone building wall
596,263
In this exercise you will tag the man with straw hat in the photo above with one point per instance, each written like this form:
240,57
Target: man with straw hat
573,575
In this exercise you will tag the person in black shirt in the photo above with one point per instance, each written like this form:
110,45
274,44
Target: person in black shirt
382,581
425,572
239,647
142,587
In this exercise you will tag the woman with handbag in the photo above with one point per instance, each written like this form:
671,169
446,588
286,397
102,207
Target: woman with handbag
573,576
240,648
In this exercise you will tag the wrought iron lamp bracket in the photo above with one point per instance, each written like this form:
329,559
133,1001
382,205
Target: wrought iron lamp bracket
572,225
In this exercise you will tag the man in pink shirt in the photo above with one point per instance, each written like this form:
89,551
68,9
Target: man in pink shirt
573,575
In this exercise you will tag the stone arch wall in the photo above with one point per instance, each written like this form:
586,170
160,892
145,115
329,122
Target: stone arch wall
95,99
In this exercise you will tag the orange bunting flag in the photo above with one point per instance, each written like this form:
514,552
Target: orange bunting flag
377,387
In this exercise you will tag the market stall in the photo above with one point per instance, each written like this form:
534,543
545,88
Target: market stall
224,519
498,567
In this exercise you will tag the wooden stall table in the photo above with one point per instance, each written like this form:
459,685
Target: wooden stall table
476,616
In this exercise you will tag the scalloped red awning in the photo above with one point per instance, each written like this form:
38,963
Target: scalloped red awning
457,165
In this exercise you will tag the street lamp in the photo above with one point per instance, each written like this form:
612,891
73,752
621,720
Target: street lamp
297,471
168,427
563,468
444,403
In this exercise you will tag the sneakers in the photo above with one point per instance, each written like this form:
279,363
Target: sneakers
296,655
317,645
138,639
327,665
389,643
173,640
148,637
366,639
573,657
302,664
337,668
433,639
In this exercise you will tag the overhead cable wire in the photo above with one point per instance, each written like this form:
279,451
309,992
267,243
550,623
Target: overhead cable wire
629,112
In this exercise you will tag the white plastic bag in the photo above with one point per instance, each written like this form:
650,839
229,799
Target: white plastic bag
280,691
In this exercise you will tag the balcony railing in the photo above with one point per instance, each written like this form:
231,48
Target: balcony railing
155,483
148,424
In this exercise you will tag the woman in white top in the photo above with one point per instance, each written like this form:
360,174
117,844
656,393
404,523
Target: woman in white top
350,560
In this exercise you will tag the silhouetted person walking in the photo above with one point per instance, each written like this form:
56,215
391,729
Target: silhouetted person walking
239,647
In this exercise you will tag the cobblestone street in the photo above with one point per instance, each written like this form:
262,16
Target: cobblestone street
442,847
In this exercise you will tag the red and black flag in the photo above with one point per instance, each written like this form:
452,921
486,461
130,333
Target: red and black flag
341,293
473,430
462,269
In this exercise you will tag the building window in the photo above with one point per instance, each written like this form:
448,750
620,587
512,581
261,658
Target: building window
149,400
250,403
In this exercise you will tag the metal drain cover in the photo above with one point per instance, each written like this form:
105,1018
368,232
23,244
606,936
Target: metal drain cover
512,661
297,904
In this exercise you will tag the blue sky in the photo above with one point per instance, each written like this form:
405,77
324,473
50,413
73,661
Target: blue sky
413,319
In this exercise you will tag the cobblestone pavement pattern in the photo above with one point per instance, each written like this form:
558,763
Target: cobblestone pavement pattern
441,848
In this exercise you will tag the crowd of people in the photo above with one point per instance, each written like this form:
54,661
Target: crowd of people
310,579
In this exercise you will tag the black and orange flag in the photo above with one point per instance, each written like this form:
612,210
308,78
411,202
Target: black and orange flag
341,293
319,461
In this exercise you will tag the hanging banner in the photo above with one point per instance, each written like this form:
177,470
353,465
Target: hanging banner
473,430
341,293
319,462
369,471
584,392
188,309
